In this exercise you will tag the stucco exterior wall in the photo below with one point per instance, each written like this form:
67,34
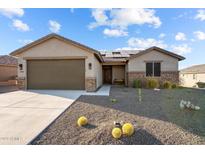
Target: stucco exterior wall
187,80
55,48
98,72
136,67
168,63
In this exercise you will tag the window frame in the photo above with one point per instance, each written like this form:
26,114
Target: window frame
153,69
194,76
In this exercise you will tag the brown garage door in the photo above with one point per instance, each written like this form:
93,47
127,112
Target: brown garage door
56,74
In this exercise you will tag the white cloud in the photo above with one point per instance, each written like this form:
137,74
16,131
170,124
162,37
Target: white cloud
122,18
114,32
199,35
181,49
54,26
142,43
19,25
180,36
26,41
12,12
200,15
100,18
162,35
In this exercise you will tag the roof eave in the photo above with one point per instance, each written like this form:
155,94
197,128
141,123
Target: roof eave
160,50
53,35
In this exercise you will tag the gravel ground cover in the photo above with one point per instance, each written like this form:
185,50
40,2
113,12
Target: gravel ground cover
157,118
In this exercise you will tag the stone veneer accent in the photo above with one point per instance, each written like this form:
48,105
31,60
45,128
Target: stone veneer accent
21,82
90,84
172,76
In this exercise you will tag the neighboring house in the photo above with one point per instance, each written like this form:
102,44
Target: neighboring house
55,62
8,68
191,75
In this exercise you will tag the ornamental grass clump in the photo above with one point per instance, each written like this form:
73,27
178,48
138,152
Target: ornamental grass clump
152,83
201,84
174,86
137,83
167,85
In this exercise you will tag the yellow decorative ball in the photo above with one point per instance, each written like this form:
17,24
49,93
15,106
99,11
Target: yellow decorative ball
128,129
82,121
116,133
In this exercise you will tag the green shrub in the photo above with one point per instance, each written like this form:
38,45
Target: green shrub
167,85
152,83
174,86
137,83
180,87
201,84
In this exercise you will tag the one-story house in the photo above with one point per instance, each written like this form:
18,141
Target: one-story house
8,69
55,62
190,76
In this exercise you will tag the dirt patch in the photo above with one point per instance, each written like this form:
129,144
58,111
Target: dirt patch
154,123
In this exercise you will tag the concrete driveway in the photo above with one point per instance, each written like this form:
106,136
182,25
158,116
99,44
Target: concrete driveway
24,114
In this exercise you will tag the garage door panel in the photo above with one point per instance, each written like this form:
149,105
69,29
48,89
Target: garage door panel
56,74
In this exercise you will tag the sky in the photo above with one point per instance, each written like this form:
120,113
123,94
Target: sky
177,30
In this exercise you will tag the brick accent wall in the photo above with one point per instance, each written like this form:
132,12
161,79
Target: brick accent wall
172,76
90,84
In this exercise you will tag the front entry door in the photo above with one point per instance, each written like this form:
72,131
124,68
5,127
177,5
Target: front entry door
107,75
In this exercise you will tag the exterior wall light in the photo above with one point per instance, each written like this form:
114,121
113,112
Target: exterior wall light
90,66
20,67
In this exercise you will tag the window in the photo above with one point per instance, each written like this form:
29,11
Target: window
116,53
157,69
149,69
194,76
153,69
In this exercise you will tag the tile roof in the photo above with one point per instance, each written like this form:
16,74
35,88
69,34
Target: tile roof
8,60
194,69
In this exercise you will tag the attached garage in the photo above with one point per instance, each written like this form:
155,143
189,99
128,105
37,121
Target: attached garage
57,63
56,74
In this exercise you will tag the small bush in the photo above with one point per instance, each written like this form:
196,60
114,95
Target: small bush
137,83
180,87
167,85
174,86
152,83
201,84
